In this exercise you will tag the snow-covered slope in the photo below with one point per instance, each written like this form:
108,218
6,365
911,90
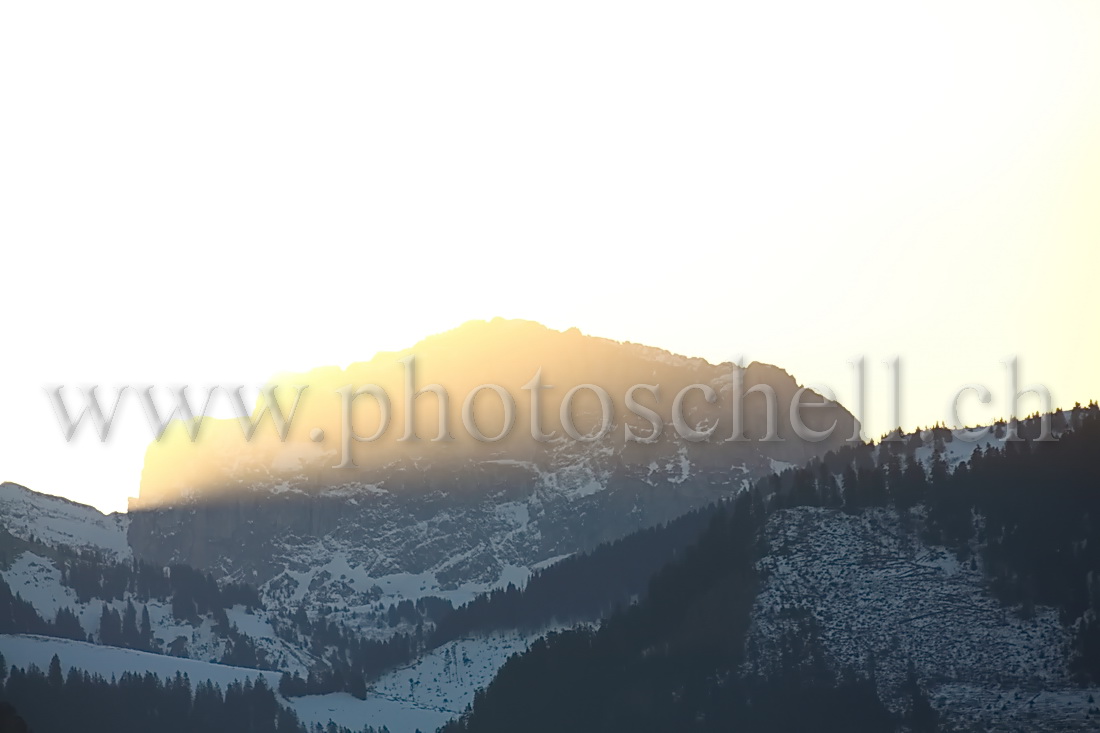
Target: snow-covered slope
446,678
38,580
53,520
442,682
421,696
343,709
356,545
879,593
23,650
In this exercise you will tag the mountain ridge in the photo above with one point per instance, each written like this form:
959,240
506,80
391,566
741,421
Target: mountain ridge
465,514
873,477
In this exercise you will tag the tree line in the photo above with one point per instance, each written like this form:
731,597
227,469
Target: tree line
55,702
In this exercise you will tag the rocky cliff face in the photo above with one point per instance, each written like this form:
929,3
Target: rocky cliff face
420,517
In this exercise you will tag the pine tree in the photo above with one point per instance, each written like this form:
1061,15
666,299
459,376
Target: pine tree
54,676
827,487
146,629
803,492
939,470
357,685
852,499
913,483
110,627
130,635
67,625
183,607
287,721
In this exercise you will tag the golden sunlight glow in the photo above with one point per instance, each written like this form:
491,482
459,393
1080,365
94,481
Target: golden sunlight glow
798,184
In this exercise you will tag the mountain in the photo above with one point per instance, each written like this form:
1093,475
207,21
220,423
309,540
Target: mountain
925,583
922,583
27,515
453,518
946,586
346,673
348,577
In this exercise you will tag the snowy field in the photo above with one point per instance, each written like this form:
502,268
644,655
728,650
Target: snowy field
341,708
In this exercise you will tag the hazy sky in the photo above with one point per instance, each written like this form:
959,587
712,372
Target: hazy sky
212,192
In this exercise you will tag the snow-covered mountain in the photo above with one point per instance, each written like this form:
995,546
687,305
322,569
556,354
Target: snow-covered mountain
868,580
426,519
454,518
39,535
26,514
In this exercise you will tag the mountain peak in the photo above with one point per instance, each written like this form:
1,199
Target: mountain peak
539,374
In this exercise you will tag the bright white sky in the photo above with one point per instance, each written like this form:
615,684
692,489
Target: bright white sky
213,192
